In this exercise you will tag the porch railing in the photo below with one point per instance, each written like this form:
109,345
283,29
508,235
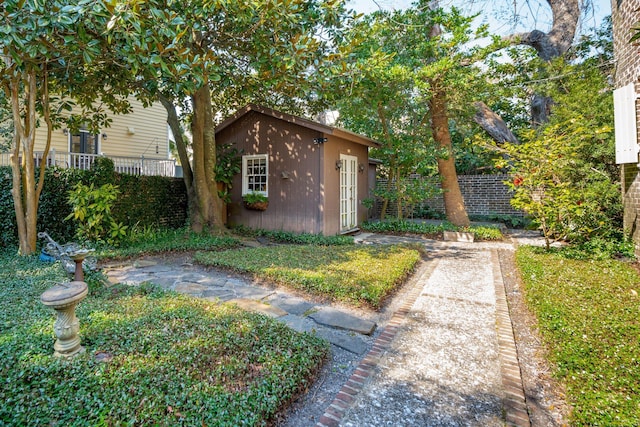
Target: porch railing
130,165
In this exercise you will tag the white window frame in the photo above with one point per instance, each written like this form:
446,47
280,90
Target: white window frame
245,173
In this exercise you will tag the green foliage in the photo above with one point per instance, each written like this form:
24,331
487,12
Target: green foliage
228,165
91,209
430,230
104,171
255,197
144,201
175,360
484,232
295,238
362,275
151,201
394,71
369,202
57,70
8,230
54,204
405,194
566,193
511,221
142,241
52,209
564,173
600,249
587,312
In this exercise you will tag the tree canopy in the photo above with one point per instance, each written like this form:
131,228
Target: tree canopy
412,70
53,58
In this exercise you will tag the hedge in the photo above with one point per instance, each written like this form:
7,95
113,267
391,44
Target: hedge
145,201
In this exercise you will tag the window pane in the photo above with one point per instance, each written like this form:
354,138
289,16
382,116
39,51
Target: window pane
255,174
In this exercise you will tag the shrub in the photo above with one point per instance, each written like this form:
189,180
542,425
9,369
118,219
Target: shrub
254,197
92,212
143,201
295,238
433,231
103,171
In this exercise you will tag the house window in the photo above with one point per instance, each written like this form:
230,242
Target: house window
83,147
255,171
84,142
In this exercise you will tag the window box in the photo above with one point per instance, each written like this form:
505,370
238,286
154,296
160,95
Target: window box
255,201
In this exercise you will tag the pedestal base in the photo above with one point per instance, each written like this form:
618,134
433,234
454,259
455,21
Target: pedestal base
79,350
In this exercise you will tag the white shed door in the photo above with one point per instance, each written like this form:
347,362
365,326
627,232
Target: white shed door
348,192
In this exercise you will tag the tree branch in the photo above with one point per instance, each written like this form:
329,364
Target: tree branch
493,124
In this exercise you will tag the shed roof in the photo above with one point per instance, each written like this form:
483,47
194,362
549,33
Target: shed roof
310,124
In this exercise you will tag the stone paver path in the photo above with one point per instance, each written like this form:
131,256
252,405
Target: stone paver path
339,327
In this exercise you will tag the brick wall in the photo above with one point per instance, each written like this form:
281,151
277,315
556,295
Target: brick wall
483,195
625,14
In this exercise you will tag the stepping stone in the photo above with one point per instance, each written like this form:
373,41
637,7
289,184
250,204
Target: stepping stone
190,288
130,279
292,305
251,243
164,282
213,281
251,292
193,277
141,263
353,344
458,236
328,316
115,279
258,307
221,294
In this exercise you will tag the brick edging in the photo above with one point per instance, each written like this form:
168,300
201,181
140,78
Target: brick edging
514,403
354,385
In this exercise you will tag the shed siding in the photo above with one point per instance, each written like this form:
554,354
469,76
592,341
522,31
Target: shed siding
295,190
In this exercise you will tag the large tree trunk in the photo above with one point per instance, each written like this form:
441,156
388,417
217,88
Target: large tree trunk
551,45
453,200
185,162
555,43
208,215
24,192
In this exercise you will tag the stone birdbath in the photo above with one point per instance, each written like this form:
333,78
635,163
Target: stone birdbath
63,298
78,255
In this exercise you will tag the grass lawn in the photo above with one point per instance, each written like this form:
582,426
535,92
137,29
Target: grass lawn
175,360
357,275
589,317
158,241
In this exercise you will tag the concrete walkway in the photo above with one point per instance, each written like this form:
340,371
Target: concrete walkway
445,356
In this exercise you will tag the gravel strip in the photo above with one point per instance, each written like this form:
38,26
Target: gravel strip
443,367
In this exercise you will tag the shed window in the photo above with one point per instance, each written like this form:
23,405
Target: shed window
255,173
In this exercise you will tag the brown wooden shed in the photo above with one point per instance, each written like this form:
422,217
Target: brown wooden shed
314,175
